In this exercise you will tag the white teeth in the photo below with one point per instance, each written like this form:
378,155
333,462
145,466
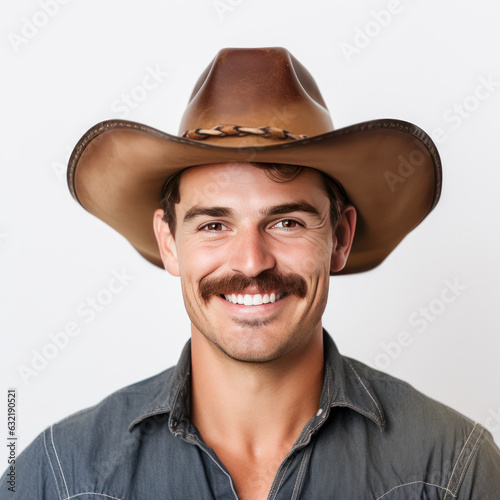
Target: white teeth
257,299
253,300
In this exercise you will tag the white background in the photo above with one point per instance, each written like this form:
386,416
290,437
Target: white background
53,255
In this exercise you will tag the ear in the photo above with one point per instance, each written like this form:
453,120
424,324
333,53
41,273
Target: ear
342,239
166,243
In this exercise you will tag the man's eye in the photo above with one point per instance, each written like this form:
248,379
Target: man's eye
213,226
287,224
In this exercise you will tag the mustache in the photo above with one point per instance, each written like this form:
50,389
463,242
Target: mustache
292,284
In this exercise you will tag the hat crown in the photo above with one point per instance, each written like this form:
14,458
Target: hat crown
258,87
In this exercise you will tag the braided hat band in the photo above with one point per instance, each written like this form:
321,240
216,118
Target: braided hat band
240,131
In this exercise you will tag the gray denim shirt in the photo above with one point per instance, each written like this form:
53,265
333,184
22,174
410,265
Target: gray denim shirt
374,437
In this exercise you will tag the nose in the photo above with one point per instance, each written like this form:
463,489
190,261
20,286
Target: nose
251,254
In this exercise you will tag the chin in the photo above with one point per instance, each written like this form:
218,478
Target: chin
250,346
249,356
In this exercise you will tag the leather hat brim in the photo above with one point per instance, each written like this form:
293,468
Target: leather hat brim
389,169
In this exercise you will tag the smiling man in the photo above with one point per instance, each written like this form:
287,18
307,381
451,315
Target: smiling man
255,213
255,264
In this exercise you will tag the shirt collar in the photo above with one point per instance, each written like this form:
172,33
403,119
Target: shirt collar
345,384
172,392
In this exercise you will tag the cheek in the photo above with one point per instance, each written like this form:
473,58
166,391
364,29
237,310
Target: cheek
198,261
309,256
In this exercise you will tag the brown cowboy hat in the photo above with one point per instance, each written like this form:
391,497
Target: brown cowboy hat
261,105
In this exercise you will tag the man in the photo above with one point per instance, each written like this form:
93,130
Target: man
254,218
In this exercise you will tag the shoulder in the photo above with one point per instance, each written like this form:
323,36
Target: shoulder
106,423
86,447
407,409
403,404
427,438
92,443
119,408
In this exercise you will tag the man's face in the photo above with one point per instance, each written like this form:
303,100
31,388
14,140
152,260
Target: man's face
241,235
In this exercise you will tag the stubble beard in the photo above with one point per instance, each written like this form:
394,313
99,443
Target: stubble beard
210,288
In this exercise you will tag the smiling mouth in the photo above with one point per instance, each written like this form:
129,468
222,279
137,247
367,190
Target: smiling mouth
254,300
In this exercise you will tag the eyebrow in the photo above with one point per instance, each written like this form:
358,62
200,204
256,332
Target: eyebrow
197,210
301,206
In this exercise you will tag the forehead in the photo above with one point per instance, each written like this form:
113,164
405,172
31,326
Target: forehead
216,183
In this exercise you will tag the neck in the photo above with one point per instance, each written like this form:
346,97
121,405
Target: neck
256,407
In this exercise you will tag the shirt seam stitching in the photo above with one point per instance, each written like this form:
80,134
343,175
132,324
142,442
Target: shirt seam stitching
274,491
462,451
381,418
185,433
51,467
415,482
173,409
57,456
91,493
466,465
299,479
